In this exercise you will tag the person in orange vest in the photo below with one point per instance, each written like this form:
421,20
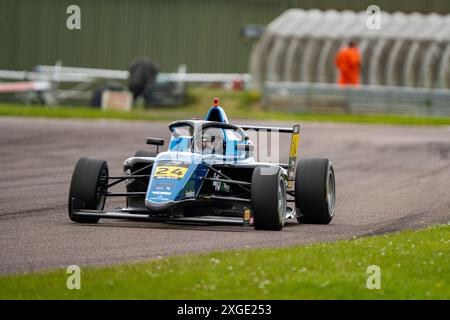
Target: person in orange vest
348,62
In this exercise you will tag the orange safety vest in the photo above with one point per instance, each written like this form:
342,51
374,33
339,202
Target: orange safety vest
348,61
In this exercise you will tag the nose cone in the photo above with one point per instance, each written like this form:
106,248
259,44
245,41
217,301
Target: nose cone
174,180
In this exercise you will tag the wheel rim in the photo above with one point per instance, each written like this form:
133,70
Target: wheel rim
281,200
102,187
331,192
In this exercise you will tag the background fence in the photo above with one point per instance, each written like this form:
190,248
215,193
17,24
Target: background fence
368,99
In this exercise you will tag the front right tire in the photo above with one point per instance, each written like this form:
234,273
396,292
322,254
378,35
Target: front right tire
89,182
145,153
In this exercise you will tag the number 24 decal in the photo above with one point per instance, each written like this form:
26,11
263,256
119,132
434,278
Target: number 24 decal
170,171
165,170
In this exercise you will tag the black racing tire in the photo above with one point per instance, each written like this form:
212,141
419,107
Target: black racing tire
88,179
268,198
145,153
315,191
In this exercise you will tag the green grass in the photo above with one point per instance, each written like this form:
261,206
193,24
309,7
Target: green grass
239,105
414,265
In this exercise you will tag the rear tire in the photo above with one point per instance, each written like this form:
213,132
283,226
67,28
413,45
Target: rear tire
268,196
145,153
89,178
315,191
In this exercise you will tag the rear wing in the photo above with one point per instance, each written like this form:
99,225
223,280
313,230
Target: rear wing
264,128
293,153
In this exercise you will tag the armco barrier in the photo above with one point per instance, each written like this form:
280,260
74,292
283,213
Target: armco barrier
364,99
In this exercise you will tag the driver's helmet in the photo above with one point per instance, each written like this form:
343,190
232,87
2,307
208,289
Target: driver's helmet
213,141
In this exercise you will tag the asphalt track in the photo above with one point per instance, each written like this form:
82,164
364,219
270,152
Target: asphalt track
388,178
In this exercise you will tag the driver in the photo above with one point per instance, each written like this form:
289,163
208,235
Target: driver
213,141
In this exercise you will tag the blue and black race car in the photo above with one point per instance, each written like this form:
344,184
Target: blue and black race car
208,175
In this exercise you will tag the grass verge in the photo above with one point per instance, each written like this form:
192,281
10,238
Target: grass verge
413,264
239,105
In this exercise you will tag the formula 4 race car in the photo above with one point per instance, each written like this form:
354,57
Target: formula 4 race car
208,176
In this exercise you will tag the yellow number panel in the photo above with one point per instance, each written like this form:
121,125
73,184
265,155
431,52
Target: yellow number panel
170,172
294,145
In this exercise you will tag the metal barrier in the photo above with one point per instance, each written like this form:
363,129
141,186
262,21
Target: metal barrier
79,81
365,99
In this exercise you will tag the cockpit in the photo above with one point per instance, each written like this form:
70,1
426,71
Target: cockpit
206,137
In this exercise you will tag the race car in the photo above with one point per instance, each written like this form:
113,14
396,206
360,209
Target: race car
208,175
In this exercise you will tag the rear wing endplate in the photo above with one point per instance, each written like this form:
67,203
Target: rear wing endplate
293,155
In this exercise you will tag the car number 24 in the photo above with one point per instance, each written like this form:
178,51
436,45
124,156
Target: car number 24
170,172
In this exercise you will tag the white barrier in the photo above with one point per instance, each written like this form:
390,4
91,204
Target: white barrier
365,99
84,78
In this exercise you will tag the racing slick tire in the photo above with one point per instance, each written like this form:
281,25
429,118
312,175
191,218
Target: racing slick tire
89,178
145,153
268,198
315,191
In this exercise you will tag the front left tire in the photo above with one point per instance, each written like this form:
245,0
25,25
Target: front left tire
268,198
315,191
